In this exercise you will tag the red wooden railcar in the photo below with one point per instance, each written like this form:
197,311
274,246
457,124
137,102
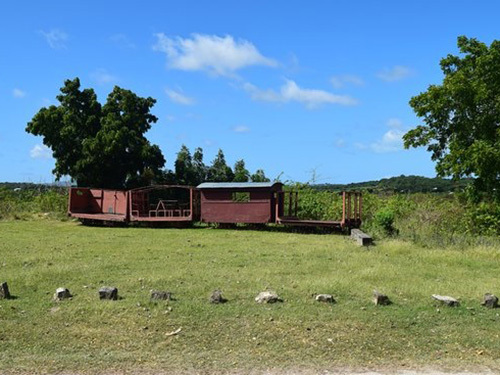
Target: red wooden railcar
225,203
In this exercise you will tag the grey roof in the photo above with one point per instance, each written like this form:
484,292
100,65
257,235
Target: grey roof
237,185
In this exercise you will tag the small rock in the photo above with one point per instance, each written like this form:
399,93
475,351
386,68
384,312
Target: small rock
380,299
108,292
4,291
325,298
490,301
161,295
267,297
217,297
446,300
62,293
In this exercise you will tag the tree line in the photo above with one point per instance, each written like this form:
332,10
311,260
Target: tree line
191,170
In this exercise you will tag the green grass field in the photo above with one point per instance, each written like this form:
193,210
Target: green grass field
131,334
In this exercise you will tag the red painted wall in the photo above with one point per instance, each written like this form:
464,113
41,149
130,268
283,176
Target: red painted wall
97,201
217,206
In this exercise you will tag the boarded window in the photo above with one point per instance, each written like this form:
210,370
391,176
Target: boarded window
241,196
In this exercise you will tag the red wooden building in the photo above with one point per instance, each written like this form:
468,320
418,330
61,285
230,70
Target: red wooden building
238,202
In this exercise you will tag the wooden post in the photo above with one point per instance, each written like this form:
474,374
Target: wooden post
296,203
343,208
191,202
289,203
349,213
360,207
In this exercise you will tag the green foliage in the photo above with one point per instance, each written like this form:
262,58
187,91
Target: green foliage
36,201
384,219
461,116
100,146
316,205
403,184
241,174
219,171
259,176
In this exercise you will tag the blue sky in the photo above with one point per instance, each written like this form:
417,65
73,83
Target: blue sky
289,86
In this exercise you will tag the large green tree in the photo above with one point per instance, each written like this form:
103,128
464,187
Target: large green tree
219,171
259,176
241,174
462,116
101,146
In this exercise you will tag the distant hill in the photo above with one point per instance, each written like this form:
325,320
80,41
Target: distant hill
407,184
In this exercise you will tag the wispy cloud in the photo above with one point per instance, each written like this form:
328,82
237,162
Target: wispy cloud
396,73
102,77
18,93
346,79
392,140
339,143
178,97
40,152
55,38
122,41
291,92
241,129
221,56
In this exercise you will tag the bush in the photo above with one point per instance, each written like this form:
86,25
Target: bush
384,219
28,203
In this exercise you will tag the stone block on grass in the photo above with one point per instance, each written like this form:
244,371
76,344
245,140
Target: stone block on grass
62,293
161,295
217,297
446,300
327,298
268,297
490,301
380,299
109,293
4,291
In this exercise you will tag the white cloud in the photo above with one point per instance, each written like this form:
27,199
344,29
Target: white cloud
241,129
55,38
18,93
339,143
40,152
102,77
395,73
345,79
178,97
122,41
291,92
221,56
395,123
392,140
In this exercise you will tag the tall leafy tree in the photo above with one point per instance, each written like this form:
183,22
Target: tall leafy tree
259,176
219,171
462,116
101,146
184,173
241,174
199,167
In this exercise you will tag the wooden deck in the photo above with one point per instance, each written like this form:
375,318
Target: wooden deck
100,217
309,223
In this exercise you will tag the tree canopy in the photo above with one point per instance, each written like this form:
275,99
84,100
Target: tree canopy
462,116
219,171
101,146
241,174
